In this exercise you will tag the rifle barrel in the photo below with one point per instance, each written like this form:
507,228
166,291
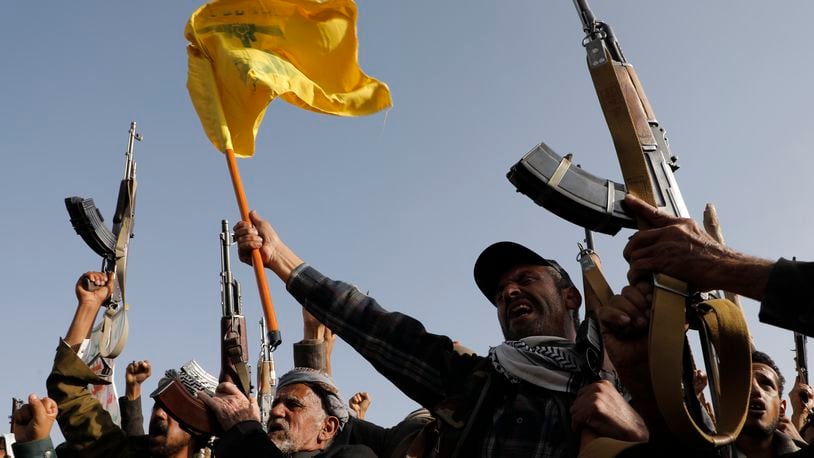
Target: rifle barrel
586,16
801,357
227,295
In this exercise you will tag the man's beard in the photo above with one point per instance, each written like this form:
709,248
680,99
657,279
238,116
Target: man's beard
281,437
757,431
158,429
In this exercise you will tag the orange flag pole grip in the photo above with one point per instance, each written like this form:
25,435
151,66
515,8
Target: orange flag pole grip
272,327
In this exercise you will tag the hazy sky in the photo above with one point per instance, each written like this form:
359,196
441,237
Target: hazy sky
399,204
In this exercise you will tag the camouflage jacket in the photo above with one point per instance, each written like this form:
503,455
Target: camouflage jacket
88,429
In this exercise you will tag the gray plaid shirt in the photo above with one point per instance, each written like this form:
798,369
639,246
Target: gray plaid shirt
511,420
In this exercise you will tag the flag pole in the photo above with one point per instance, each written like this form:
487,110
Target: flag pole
274,336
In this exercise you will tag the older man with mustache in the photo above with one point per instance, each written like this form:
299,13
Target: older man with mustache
306,419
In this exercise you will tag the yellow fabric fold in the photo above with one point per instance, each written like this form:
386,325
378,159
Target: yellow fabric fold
244,53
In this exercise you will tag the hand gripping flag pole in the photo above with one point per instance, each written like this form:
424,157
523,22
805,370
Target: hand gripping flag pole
272,328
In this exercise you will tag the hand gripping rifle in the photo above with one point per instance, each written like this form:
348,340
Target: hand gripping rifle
801,361
647,166
266,377
16,404
111,245
801,366
177,397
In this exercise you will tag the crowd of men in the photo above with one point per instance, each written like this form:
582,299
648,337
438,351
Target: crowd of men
527,398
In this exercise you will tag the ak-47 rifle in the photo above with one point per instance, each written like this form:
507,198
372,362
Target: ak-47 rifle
7,440
801,366
266,377
112,246
16,404
178,398
801,361
647,166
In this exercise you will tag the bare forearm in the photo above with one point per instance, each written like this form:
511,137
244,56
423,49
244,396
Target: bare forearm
743,274
81,325
284,262
132,391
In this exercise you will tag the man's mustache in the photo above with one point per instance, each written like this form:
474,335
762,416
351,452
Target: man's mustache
278,425
158,427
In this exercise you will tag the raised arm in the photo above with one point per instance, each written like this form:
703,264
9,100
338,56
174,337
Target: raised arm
135,375
423,365
32,427
86,425
89,303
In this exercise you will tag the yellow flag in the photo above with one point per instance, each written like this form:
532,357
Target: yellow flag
244,53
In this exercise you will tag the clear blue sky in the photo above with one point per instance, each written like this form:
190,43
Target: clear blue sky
400,205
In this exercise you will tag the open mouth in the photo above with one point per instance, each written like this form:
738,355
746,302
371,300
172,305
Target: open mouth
756,406
519,310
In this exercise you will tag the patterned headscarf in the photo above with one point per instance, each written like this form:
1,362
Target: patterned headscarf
312,377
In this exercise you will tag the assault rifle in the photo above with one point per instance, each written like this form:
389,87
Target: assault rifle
16,404
178,396
266,377
801,362
648,168
112,246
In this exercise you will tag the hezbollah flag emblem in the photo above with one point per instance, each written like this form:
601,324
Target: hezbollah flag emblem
245,53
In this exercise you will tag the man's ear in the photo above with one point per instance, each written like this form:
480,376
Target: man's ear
330,427
783,408
571,297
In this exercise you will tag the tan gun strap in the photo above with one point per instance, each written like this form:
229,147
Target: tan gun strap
728,333
592,273
113,319
107,348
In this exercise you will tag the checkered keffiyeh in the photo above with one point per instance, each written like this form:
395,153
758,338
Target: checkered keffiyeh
548,362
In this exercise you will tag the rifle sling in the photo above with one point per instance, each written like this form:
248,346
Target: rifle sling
727,330
113,342
629,118
595,279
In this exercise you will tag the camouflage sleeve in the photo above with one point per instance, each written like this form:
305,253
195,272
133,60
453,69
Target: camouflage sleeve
87,427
